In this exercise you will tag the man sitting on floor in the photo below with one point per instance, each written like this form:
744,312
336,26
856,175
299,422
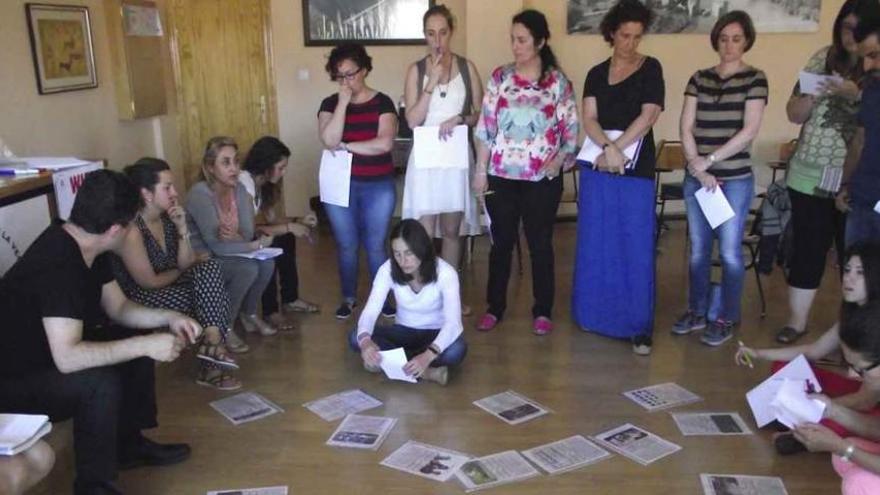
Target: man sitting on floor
56,358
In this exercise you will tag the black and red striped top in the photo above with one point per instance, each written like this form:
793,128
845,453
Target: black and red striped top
362,124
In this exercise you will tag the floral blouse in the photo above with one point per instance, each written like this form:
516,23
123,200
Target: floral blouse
525,124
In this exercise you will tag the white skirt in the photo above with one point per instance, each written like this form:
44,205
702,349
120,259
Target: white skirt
431,191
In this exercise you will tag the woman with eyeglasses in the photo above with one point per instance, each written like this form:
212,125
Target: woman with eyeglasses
362,121
828,123
861,389
855,455
723,107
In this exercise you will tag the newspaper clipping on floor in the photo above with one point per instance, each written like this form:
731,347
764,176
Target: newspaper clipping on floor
511,407
720,423
662,396
494,470
245,407
269,490
566,455
427,461
362,432
740,484
639,445
342,404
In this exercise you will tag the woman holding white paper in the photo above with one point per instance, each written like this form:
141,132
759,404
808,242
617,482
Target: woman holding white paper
221,214
828,123
442,90
428,324
613,288
723,107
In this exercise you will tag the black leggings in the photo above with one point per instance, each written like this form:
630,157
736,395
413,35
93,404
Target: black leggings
815,223
285,275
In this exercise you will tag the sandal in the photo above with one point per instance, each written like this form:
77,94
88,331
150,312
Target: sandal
302,306
216,353
278,321
253,323
218,378
788,335
234,343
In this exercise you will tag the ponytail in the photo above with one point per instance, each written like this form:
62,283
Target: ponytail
548,60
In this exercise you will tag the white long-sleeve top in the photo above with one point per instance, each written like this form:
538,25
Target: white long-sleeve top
437,305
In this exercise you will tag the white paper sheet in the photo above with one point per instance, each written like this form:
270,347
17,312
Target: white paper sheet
636,443
662,396
731,484
432,152
339,405
54,163
793,407
18,432
715,206
362,432
334,178
245,407
261,254
711,424
427,461
590,151
267,490
392,364
760,397
811,84
566,455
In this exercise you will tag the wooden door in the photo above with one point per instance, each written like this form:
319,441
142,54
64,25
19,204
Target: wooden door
224,74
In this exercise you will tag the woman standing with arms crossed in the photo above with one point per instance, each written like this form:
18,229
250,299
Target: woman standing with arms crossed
442,89
613,289
362,121
526,135
723,107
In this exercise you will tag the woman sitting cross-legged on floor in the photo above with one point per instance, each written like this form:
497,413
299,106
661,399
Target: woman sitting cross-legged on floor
859,391
158,268
428,323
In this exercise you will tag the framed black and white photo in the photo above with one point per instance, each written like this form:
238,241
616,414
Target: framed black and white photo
370,22
698,16
61,45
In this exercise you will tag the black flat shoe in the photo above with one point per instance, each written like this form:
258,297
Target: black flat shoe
149,453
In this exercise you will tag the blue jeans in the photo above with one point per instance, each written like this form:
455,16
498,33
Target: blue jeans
739,193
365,221
414,342
862,225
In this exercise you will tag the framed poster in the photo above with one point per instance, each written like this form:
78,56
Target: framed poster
369,22
61,45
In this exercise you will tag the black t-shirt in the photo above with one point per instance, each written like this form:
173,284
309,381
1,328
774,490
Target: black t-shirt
619,105
50,280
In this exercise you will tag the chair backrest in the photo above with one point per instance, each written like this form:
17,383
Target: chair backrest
670,156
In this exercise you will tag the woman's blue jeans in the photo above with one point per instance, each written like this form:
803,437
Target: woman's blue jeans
365,221
739,193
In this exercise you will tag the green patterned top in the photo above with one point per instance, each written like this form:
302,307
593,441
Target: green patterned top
824,136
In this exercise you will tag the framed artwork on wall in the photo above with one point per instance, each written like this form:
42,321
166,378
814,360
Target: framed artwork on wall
61,45
698,16
369,22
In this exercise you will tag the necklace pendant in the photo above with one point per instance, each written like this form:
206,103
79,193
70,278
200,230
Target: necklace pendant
443,94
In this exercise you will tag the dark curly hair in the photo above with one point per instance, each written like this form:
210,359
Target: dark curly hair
734,17
348,51
622,12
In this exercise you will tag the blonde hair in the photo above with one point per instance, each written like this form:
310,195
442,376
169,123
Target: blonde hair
212,151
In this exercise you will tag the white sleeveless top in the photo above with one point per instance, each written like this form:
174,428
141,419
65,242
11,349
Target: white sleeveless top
442,108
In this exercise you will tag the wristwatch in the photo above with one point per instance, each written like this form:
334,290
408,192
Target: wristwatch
712,158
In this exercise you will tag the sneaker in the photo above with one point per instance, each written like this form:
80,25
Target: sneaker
439,375
719,332
388,310
542,326
642,345
487,322
688,322
345,309
235,344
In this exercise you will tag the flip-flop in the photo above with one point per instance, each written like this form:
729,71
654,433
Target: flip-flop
302,306
788,335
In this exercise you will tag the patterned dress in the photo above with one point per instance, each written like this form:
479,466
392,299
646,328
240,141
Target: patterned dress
198,292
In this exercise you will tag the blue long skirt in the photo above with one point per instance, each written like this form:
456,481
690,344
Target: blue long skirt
613,289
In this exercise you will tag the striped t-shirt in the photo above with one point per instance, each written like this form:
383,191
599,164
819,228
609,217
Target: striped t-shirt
362,124
721,109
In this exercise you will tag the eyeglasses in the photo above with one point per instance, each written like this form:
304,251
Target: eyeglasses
861,371
348,77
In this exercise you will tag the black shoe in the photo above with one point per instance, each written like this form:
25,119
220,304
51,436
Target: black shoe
345,309
95,488
388,310
146,452
787,444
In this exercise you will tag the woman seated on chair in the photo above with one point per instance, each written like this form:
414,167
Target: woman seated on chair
428,323
861,285
158,268
263,171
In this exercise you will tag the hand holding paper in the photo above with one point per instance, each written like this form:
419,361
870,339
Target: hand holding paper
392,364
792,406
715,206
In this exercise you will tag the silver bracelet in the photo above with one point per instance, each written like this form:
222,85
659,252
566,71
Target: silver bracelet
848,453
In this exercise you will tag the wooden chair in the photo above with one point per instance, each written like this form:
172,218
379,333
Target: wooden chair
786,151
669,158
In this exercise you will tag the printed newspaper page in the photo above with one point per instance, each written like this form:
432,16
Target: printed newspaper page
362,432
425,460
245,407
720,423
269,490
342,404
739,484
511,407
662,396
639,445
496,469
566,455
